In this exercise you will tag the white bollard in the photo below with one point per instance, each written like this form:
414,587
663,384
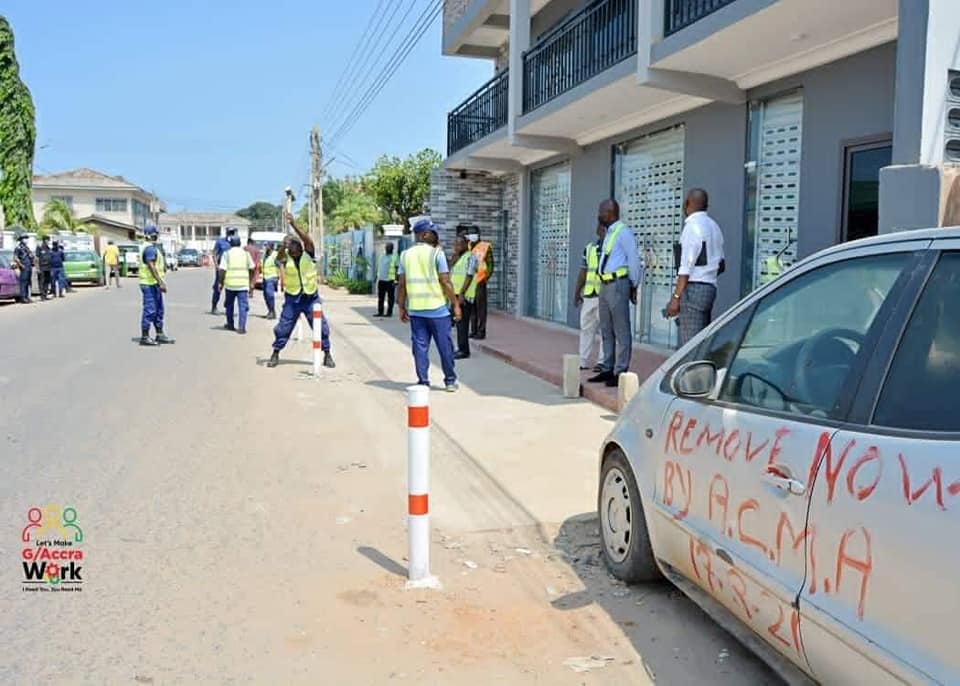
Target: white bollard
418,488
627,387
317,327
298,332
571,376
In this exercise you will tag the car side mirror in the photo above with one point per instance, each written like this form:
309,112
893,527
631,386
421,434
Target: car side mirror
694,379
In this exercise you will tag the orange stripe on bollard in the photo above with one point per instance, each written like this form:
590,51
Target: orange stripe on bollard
316,345
317,314
418,504
418,417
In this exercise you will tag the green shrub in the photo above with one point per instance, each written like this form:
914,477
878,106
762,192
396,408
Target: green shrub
359,287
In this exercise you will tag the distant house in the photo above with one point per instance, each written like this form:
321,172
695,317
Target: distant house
200,230
120,209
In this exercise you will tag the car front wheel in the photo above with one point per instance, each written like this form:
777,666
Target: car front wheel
623,529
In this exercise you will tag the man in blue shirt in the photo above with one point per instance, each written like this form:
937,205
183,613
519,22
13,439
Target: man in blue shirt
58,277
23,260
620,277
219,248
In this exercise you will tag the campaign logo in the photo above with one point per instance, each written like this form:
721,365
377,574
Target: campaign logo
52,556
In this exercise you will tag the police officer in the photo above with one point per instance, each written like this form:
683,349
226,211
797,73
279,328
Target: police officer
219,248
236,274
270,269
43,260
300,293
58,277
152,287
24,260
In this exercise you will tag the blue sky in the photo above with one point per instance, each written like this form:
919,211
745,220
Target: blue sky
209,104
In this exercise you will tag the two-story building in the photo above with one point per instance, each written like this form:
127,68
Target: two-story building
200,230
809,122
119,209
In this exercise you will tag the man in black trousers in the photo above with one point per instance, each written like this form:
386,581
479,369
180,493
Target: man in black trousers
387,281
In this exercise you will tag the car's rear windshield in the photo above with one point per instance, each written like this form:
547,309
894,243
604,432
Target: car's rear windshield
188,253
80,257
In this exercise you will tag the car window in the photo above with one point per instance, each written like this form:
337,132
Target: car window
925,372
806,336
718,348
4,263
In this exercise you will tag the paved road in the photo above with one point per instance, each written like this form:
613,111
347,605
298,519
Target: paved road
247,525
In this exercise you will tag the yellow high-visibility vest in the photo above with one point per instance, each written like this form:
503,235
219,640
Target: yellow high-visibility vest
422,281
146,278
392,265
609,241
303,280
237,277
591,286
458,277
268,267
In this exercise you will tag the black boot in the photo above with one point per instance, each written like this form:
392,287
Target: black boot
164,339
328,360
274,359
145,339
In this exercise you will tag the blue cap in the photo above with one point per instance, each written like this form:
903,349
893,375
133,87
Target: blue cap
235,241
425,224
150,231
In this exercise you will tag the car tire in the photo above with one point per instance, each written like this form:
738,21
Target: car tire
624,539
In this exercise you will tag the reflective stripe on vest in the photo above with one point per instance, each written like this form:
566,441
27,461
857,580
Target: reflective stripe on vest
304,279
146,278
422,281
458,277
268,267
591,286
609,241
237,277
480,251
392,267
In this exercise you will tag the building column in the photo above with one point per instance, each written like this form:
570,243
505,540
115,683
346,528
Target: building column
523,240
519,41
921,189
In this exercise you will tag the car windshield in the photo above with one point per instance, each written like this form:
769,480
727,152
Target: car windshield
4,262
188,253
80,257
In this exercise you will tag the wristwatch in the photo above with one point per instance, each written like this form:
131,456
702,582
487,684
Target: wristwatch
676,296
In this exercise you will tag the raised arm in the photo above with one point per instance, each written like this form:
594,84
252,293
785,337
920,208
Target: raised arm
304,237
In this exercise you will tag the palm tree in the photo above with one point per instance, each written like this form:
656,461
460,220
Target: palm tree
58,217
354,211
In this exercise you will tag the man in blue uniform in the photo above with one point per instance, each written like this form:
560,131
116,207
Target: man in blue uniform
23,260
152,287
58,277
219,248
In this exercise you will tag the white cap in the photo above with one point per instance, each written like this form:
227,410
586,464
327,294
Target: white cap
473,237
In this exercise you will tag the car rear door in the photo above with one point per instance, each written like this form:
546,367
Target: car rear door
883,598
737,470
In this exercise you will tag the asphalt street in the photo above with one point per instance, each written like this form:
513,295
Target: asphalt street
247,525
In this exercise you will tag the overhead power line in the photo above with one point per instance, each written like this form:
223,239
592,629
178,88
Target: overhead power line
427,17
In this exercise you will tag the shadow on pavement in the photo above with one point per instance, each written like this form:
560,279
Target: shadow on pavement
389,385
674,637
381,560
262,362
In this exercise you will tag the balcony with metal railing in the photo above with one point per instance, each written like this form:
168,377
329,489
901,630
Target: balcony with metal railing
682,13
591,41
484,112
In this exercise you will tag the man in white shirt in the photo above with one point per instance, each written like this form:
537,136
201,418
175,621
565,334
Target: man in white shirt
701,261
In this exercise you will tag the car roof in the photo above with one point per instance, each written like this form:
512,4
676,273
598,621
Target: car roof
898,238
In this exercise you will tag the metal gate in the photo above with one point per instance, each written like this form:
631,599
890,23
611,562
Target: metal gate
777,185
649,187
549,242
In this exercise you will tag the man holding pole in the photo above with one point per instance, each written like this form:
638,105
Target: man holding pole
300,293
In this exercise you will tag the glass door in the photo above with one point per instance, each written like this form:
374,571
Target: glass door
861,187
549,242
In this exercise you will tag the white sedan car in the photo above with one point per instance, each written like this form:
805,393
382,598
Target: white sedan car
795,468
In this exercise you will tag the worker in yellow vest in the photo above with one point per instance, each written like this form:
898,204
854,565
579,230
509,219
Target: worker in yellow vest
270,269
387,281
426,296
152,288
463,278
587,298
483,251
236,277
297,257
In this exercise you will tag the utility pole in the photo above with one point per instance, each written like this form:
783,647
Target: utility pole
316,198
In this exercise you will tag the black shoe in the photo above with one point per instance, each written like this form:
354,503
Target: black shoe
328,361
378,315
389,315
461,356
62,295
598,368
213,310
164,339
147,341
613,382
274,359
481,337
270,315
602,376
473,335
228,327
241,330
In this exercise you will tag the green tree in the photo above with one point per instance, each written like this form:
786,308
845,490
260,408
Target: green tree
57,216
355,210
401,187
18,135
261,214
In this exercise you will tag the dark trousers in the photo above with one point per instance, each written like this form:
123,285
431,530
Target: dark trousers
463,327
293,307
152,309
422,330
478,317
243,302
615,328
46,283
26,275
215,297
696,310
388,290
58,281
270,294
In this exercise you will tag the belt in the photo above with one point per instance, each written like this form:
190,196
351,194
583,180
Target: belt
610,278
704,283
595,295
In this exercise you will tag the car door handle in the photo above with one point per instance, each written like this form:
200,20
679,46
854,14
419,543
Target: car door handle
781,478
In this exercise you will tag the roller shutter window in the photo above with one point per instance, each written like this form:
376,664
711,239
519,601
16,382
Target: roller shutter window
549,242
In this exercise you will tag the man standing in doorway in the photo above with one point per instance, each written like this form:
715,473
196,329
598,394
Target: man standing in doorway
426,295
463,279
483,251
111,263
701,261
387,281
236,273
620,277
587,298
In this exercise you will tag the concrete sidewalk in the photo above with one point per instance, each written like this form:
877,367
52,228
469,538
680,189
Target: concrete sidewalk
538,348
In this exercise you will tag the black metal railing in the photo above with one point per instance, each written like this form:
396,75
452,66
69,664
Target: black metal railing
591,41
479,115
682,13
